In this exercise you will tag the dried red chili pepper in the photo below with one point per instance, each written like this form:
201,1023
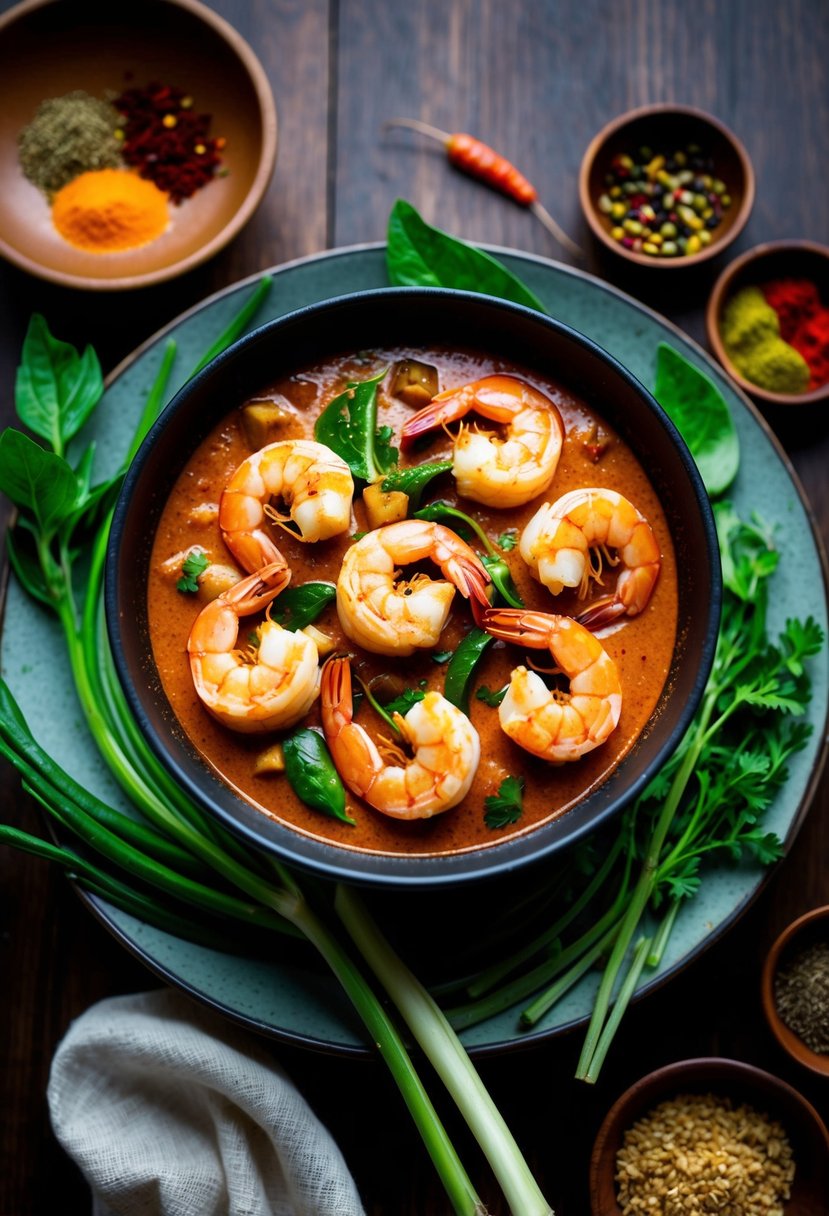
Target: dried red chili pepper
476,158
166,140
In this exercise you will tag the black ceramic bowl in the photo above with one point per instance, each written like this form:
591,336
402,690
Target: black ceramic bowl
414,316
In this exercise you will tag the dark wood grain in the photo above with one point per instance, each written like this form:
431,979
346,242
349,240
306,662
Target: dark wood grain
535,80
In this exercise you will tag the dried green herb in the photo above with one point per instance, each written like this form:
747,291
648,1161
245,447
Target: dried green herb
801,994
69,135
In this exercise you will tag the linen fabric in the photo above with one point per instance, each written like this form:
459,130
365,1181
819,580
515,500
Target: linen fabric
168,1111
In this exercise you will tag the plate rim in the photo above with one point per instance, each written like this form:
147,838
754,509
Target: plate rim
529,1039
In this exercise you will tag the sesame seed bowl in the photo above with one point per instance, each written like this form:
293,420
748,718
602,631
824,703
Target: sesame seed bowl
691,1117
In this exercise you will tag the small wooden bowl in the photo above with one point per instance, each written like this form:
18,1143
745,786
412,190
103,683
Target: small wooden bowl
762,264
49,48
663,128
799,934
741,1083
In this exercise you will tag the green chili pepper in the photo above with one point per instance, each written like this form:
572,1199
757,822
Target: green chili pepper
312,775
462,666
499,573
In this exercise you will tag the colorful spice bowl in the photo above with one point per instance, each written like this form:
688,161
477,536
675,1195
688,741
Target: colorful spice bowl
740,323
666,186
185,88
730,1096
795,973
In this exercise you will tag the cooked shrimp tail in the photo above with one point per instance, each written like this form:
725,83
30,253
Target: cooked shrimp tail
444,746
558,541
270,683
499,470
555,725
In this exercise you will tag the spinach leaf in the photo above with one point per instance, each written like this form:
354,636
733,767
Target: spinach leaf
418,255
299,606
37,480
348,425
56,388
312,775
701,415
413,481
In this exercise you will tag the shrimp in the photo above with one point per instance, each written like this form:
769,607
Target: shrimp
388,615
313,482
499,471
556,545
445,745
557,726
270,684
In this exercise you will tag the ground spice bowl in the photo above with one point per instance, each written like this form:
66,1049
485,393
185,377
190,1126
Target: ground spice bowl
810,927
49,48
740,1082
762,264
662,127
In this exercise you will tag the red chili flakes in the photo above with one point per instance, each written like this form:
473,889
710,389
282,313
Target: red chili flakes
167,141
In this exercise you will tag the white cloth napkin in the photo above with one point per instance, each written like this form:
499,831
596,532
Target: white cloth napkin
168,1111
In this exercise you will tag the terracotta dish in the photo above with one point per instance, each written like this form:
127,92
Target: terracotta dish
762,264
664,127
50,48
742,1083
810,927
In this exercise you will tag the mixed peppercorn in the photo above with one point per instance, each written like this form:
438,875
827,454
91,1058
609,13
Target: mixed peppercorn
664,205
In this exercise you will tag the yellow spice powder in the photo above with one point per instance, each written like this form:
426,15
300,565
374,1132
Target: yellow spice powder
106,210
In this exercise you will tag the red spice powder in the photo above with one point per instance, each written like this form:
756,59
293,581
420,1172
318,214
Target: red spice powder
167,140
804,323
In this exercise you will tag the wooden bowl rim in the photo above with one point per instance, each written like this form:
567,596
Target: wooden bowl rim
267,159
788,1040
641,259
716,300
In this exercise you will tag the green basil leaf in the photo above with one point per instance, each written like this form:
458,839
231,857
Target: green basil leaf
402,704
297,607
462,667
23,558
312,775
56,388
418,255
38,480
413,481
700,413
348,425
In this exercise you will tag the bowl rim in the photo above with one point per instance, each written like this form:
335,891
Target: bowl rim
666,107
394,870
264,170
791,1043
716,302
650,1089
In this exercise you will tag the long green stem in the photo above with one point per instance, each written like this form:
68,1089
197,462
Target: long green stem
447,1055
620,1005
384,1035
536,1010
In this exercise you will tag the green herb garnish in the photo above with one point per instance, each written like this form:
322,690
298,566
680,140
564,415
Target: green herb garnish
508,540
493,699
507,806
348,425
193,565
297,607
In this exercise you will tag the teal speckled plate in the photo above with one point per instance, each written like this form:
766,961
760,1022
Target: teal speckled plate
288,998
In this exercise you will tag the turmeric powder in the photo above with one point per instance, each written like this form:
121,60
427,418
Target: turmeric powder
106,210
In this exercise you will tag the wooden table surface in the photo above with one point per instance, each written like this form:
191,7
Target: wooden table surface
535,79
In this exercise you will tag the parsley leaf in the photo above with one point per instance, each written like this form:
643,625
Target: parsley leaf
402,704
508,540
193,565
507,806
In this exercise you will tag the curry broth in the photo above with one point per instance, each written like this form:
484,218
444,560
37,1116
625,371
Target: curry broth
642,647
